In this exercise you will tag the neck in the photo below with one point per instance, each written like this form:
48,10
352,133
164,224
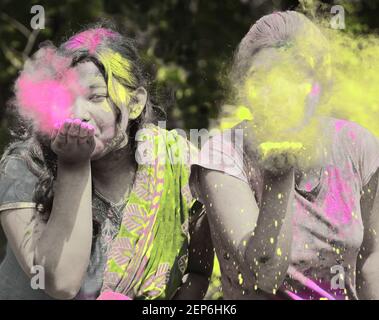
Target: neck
113,175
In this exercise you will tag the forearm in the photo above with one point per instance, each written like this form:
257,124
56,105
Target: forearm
368,279
367,274
194,287
3,242
64,246
267,250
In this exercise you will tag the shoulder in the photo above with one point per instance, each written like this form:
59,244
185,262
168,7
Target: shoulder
17,182
13,163
224,151
173,145
358,143
349,131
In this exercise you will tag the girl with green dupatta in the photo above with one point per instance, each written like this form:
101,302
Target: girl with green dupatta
94,196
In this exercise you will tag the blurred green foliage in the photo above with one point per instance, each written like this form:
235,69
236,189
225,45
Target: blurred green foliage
188,45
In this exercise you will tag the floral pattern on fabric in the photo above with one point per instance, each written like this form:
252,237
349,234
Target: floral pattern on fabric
149,255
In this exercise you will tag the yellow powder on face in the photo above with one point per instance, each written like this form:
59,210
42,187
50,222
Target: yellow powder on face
286,96
106,107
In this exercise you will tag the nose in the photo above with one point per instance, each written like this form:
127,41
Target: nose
80,110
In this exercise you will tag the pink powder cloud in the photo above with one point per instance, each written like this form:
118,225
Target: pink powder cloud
47,89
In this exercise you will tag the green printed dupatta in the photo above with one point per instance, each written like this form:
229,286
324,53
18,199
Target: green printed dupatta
148,257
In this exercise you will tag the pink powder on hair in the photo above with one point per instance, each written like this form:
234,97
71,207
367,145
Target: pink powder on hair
89,39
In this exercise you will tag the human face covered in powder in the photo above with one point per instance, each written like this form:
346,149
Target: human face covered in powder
282,93
94,108
84,90
95,112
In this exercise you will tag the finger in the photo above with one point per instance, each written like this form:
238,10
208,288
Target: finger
65,127
91,142
83,133
73,132
61,137
54,132
91,130
83,130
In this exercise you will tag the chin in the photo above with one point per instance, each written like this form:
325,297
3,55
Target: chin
96,156
100,151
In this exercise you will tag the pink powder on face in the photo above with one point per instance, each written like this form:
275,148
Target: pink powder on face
315,90
338,202
89,39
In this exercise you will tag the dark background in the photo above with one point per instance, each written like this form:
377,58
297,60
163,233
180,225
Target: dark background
188,45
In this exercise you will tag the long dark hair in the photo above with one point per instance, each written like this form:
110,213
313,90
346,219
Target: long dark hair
34,146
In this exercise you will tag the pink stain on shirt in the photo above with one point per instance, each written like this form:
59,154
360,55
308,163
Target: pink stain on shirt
310,289
89,39
292,295
339,124
308,187
352,135
338,202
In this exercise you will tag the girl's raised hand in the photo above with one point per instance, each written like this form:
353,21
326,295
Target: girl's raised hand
73,141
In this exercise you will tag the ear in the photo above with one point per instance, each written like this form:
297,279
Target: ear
137,103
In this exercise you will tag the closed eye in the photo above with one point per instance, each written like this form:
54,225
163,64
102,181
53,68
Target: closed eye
97,97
